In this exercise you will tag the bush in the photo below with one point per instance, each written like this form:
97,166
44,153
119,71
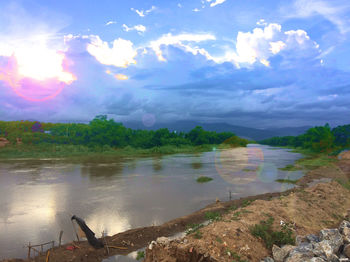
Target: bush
265,232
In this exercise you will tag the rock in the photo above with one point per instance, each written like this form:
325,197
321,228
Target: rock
279,254
333,258
346,235
304,248
344,155
152,244
299,257
312,238
162,240
344,224
331,238
267,259
317,259
300,239
346,251
319,251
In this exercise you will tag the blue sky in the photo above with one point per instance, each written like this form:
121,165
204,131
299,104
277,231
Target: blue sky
250,63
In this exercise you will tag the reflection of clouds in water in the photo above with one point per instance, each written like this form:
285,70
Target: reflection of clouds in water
238,165
107,221
120,258
267,172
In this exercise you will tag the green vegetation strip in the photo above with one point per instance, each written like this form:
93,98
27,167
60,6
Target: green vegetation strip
288,181
204,179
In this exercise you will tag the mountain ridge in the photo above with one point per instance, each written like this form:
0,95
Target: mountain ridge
241,131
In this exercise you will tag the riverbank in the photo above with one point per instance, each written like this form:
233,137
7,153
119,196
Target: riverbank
78,151
137,238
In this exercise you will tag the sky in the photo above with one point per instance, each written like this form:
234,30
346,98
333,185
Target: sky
253,63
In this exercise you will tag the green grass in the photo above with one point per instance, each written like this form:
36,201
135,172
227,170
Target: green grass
288,181
290,168
246,202
204,179
316,161
310,161
213,216
344,183
264,231
140,255
63,151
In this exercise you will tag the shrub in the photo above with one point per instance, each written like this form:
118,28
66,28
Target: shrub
269,236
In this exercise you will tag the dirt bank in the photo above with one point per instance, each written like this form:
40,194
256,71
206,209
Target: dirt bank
321,205
307,209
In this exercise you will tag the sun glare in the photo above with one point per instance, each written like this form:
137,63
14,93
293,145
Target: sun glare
42,64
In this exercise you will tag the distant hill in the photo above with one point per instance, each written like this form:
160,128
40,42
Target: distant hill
241,131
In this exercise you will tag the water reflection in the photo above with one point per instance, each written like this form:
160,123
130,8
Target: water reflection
104,170
157,163
38,197
196,165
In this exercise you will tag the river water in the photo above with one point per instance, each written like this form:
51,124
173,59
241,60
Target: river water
38,196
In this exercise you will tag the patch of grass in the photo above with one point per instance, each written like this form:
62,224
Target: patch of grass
192,228
290,168
264,231
344,183
288,181
204,179
244,211
315,161
236,215
246,202
140,255
213,216
198,234
232,208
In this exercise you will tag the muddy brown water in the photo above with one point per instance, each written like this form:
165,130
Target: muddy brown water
38,197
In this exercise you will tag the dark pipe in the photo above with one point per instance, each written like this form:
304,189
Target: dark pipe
93,241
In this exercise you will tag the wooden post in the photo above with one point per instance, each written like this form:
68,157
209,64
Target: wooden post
60,238
29,250
103,235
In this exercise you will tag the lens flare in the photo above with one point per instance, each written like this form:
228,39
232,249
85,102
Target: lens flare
37,75
239,165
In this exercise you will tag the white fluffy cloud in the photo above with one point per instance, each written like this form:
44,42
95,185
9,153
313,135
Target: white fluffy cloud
138,28
183,41
143,13
110,23
217,2
263,43
121,54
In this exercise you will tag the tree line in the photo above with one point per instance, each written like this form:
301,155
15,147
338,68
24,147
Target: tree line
317,139
102,131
